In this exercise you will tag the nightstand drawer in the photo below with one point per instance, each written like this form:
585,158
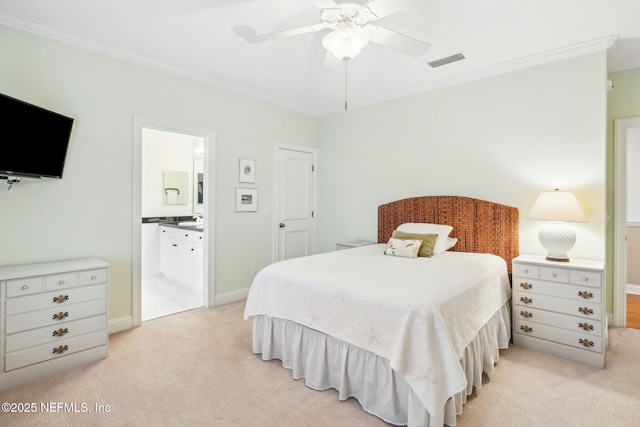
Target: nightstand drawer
586,278
565,321
525,270
577,308
562,336
580,293
553,274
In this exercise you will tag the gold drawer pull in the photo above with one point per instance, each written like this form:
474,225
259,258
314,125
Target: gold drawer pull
526,314
586,342
526,329
526,285
60,315
61,298
585,326
585,294
526,300
60,349
60,332
585,310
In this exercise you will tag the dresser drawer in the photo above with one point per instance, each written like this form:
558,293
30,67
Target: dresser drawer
586,278
29,356
584,309
572,323
525,270
54,333
54,316
553,274
559,335
92,277
60,281
533,286
55,300
26,286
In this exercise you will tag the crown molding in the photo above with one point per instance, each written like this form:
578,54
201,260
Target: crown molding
567,52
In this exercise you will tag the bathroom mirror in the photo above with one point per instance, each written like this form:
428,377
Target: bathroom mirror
198,186
175,187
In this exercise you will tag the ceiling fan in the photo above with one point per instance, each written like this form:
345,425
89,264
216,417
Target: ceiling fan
352,29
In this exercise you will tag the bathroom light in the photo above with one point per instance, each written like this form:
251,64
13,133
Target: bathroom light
346,43
556,236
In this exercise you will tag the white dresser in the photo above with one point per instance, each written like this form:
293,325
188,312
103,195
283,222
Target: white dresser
559,308
53,317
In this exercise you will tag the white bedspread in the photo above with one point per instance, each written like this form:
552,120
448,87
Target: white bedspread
419,313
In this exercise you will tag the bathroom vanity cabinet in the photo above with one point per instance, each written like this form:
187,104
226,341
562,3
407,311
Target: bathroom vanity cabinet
53,317
182,255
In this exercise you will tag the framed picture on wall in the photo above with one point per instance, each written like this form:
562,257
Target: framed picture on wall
246,199
247,171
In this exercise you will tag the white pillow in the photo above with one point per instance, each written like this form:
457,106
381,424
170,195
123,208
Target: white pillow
403,248
424,228
451,242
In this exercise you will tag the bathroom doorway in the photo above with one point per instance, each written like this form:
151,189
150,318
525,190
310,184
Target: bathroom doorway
173,219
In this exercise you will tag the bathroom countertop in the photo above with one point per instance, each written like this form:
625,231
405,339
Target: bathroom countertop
172,221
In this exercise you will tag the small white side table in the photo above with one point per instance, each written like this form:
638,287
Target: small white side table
353,244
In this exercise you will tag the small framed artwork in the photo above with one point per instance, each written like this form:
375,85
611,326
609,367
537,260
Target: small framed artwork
247,171
246,199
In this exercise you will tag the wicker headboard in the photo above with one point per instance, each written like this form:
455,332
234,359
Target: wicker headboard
480,226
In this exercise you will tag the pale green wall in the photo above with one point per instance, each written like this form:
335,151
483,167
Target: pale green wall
502,139
624,102
88,213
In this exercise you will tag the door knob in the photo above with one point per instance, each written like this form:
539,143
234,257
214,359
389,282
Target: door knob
281,225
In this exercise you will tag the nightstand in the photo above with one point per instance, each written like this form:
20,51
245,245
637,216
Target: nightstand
559,308
353,244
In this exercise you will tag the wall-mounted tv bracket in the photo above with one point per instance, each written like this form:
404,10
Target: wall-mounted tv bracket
11,180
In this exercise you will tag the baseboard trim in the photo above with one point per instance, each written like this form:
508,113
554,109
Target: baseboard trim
120,324
633,289
232,296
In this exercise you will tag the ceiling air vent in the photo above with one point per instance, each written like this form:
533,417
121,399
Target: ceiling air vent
447,60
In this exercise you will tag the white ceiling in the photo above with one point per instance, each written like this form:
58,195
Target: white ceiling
198,39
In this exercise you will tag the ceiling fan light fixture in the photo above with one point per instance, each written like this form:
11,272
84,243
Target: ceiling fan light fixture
346,43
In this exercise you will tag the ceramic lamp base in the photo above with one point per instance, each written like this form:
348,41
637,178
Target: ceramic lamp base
557,238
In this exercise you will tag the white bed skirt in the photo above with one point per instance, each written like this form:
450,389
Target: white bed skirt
326,362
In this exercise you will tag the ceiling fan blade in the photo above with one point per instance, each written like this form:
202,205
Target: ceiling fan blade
325,4
382,8
285,33
405,44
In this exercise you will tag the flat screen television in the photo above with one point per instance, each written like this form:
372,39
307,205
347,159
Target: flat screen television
33,140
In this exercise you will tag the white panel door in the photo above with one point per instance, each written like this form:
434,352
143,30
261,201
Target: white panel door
295,204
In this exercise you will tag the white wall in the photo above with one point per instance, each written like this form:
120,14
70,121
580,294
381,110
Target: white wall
88,213
503,139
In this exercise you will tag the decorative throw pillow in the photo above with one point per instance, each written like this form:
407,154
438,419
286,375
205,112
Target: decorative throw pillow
428,241
403,248
441,230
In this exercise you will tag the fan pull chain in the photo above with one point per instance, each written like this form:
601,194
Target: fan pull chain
346,83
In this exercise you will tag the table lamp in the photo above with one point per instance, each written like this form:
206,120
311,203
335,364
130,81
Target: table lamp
556,236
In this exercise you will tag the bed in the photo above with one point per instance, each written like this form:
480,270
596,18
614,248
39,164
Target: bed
409,338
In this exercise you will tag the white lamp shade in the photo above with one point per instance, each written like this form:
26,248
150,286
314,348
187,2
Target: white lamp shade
557,206
556,236
346,43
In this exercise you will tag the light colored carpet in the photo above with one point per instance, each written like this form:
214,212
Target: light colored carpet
197,368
